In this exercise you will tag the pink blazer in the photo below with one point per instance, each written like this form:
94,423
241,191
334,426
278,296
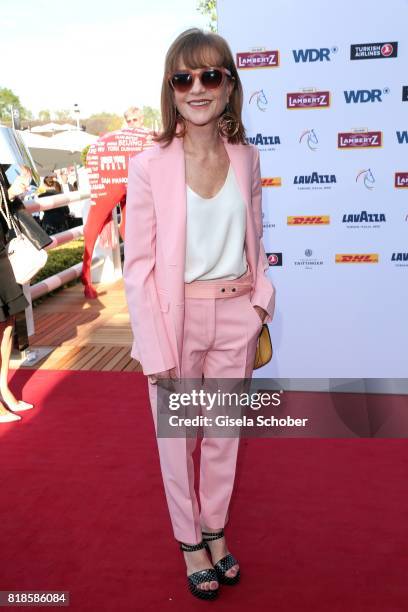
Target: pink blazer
155,246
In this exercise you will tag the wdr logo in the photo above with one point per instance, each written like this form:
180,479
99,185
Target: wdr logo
402,137
365,95
313,55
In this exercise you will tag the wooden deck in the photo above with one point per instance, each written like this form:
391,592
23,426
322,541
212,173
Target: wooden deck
84,334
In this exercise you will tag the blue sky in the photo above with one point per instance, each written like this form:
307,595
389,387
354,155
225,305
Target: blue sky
103,56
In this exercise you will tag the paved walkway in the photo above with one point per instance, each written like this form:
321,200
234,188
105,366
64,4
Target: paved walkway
85,334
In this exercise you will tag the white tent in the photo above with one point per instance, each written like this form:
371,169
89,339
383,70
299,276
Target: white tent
75,140
48,156
51,128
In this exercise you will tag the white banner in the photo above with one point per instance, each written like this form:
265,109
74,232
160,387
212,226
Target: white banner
326,101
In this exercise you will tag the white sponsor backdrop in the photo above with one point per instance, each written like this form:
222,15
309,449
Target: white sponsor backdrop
332,320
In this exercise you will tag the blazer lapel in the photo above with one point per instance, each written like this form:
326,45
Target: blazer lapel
169,192
241,161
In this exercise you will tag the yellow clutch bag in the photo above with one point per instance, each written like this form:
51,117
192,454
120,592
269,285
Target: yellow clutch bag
264,349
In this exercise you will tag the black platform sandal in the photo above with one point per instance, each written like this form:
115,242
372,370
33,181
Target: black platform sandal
223,565
207,575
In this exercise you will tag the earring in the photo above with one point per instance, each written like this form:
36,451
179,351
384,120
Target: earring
228,124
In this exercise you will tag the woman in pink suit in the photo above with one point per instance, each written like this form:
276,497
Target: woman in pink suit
196,278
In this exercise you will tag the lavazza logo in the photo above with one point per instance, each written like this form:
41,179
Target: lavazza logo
308,262
308,99
359,139
264,143
363,220
257,58
314,55
358,96
315,180
400,260
381,50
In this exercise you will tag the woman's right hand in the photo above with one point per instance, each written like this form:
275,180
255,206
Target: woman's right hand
153,378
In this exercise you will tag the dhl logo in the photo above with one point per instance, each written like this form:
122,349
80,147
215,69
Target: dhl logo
309,220
357,258
271,181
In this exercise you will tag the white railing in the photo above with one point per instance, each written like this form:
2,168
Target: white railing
105,267
33,292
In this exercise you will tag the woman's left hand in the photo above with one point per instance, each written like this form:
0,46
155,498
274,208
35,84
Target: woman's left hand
261,313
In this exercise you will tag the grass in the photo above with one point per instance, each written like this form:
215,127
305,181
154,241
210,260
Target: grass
59,259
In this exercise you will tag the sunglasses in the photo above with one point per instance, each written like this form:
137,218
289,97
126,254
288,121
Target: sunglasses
210,78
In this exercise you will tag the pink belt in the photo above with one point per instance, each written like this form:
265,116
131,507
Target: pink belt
219,288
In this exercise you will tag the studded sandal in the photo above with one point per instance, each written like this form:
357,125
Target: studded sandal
223,565
197,578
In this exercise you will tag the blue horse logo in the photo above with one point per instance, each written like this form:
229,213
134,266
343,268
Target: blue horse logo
367,177
260,99
311,139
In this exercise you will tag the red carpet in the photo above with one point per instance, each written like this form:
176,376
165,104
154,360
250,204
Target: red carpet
317,525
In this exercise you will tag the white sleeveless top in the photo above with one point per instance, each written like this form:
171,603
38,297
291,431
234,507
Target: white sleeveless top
216,233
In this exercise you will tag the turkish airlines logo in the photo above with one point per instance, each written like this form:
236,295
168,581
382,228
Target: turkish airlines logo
401,180
274,259
309,220
374,50
258,59
314,99
271,181
359,140
356,258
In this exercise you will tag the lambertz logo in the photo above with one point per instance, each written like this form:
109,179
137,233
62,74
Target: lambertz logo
274,259
264,143
365,95
401,180
310,138
356,258
309,220
367,178
313,55
308,99
259,99
359,139
400,259
405,93
258,59
374,50
308,262
364,220
314,181
271,181
402,137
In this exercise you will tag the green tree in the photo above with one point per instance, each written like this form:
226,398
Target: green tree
7,99
151,117
209,8
44,115
63,114
100,123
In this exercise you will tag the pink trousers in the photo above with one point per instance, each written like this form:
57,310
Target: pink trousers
220,337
